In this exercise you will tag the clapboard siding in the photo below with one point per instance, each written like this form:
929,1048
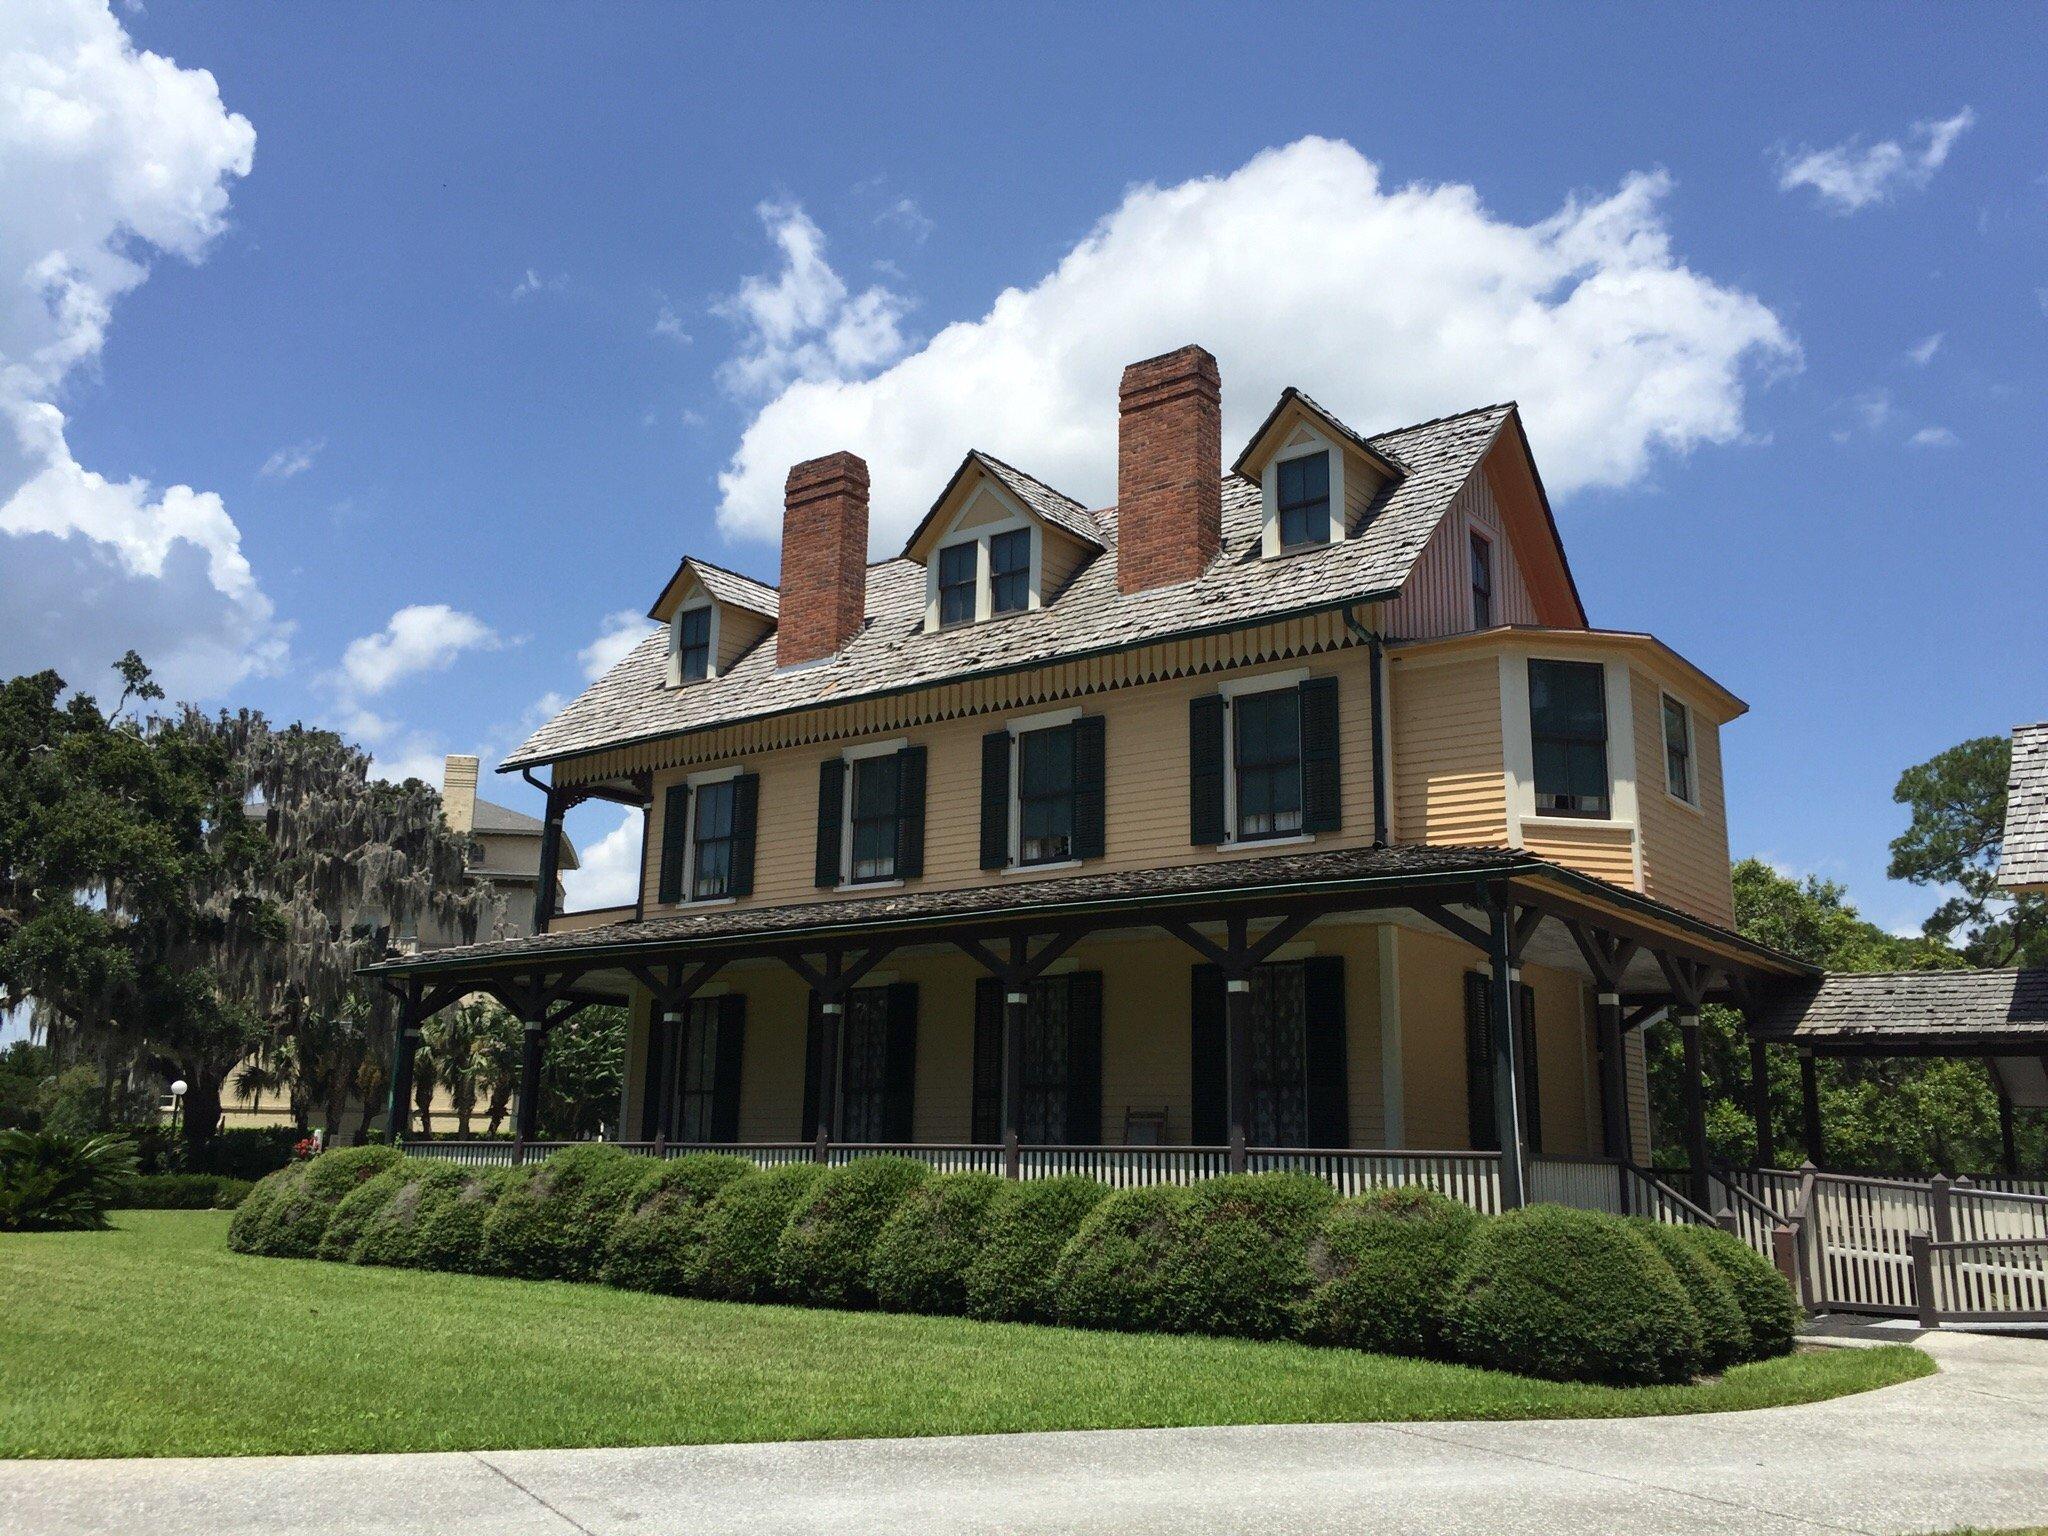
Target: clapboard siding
1596,848
1449,783
1685,850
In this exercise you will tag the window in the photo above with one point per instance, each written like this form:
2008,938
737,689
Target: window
693,644
1045,795
1009,571
958,576
1568,736
1276,1048
1268,757
1678,750
877,808
696,1082
864,1081
1482,582
1304,496
711,867
1059,1092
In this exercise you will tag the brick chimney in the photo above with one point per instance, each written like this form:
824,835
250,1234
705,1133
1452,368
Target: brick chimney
458,792
824,558
1169,469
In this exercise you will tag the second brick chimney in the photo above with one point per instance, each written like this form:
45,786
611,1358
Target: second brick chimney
824,558
1169,468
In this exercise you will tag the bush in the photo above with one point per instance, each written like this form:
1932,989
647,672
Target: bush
1011,1278
1384,1264
1573,1296
828,1242
1724,1333
185,1192
743,1232
290,1221
551,1221
1770,1312
1242,1253
1121,1267
434,1219
342,1240
921,1258
52,1182
248,1152
659,1242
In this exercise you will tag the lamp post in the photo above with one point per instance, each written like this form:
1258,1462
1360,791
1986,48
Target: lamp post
177,1102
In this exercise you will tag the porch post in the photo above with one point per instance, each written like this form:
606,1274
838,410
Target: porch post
1695,1108
832,1015
1507,1086
1016,1003
550,858
662,1053
2008,1144
1614,1078
1237,1005
531,1036
1809,1102
401,1062
1760,1104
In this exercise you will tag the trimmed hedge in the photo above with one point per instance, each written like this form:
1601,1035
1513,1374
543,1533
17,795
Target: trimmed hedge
1769,1309
434,1219
1384,1264
552,1219
186,1192
828,1242
1011,1278
290,1220
1121,1269
1724,1332
920,1259
1573,1296
361,1206
743,1232
1242,1253
658,1244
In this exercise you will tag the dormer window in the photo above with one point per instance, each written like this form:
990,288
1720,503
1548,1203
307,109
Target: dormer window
693,644
1009,571
959,576
1304,501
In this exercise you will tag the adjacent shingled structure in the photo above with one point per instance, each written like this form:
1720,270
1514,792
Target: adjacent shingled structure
632,702
2023,865
1959,1012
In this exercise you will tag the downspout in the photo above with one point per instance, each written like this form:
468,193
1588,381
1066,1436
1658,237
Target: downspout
550,853
1376,651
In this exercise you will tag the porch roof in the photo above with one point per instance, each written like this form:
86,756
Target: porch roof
1920,1013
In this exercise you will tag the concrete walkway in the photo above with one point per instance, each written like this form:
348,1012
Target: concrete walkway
1968,1446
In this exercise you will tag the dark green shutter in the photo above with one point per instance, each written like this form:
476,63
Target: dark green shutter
725,1080
1210,1100
1525,1065
995,800
814,1065
1205,771
1481,1126
1084,1059
1329,1093
831,807
1090,801
746,815
910,813
675,830
988,1061
899,1063
1322,784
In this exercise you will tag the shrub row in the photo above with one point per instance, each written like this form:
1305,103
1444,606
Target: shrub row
186,1192
1545,1291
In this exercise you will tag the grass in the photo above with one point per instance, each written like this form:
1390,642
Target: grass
155,1340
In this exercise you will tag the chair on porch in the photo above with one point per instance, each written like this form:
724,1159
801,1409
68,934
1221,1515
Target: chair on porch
1144,1127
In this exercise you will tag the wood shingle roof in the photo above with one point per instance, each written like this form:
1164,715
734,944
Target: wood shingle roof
2023,863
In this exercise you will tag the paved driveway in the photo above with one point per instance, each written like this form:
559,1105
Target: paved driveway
1968,1446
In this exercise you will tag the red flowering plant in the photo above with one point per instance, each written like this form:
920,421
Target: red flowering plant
304,1148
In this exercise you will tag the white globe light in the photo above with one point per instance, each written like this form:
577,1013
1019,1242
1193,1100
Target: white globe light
178,1089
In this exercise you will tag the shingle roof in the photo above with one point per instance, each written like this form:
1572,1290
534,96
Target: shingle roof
1373,447
741,591
2024,860
1966,1010
1057,508
632,702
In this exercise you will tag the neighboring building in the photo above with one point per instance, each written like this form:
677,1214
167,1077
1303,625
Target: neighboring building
1231,816
2023,857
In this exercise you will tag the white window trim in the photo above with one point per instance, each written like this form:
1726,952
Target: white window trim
850,756
1020,727
1518,751
675,641
1233,688
980,535
1692,757
1269,485
697,781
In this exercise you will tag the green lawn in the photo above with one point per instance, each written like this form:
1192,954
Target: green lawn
155,1340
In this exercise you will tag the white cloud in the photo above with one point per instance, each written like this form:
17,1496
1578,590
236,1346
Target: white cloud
425,637
1923,354
1390,305
802,322
905,214
617,634
607,870
1853,175
531,282
106,154
669,324
1933,437
292,459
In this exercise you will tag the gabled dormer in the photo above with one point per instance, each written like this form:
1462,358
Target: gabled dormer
1317,478
998,542
714,617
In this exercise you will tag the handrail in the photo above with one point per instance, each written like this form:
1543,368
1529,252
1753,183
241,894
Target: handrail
1650,1178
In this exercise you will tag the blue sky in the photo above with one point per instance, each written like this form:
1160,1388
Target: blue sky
373,378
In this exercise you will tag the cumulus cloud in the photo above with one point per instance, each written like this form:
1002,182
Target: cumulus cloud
1853,175
617,634
292,459
107,155
608,869
424,637
1391,304
802,322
